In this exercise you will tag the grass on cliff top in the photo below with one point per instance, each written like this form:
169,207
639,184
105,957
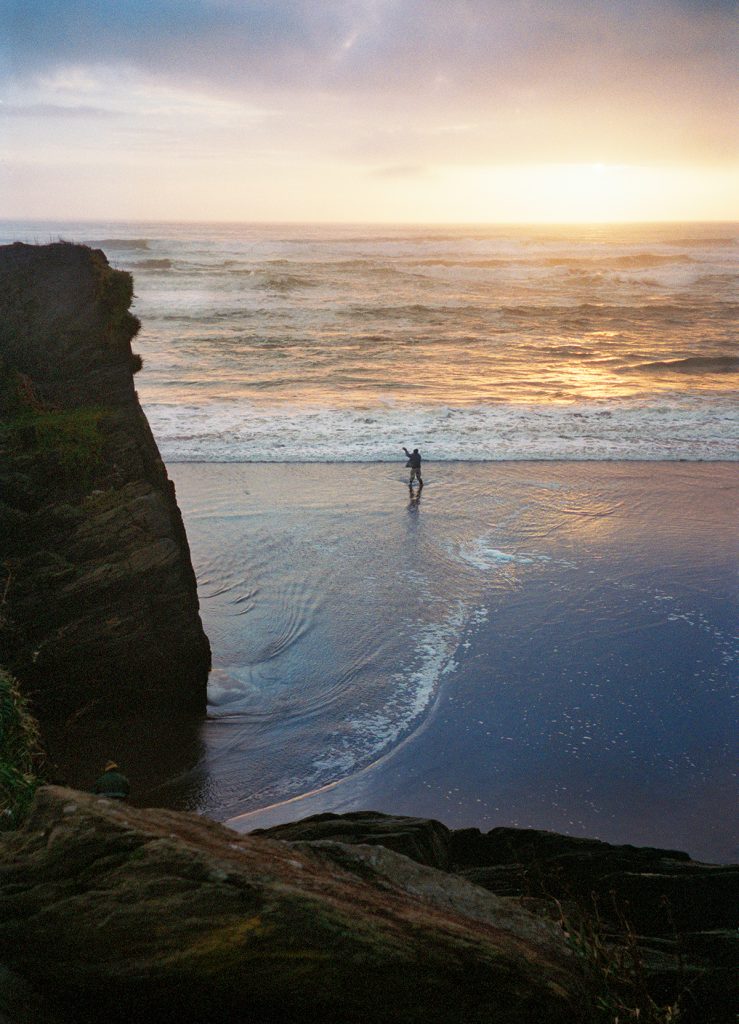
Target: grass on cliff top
20,753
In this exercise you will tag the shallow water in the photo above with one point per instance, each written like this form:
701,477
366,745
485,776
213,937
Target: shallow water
545,645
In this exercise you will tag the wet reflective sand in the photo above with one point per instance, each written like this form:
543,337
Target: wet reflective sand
533,644
547,645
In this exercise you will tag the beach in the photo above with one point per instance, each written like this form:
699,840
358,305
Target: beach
543,645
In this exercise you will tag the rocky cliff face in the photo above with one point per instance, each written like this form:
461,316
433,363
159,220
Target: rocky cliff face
99,608
108,912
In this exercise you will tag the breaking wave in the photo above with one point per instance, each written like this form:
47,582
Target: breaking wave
163,264
670,427
691,364
122,244
475,343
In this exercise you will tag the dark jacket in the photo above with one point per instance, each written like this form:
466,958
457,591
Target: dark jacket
414,459
113,784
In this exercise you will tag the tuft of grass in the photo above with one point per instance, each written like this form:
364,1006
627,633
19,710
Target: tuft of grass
20,754
67,443
114,290
616,985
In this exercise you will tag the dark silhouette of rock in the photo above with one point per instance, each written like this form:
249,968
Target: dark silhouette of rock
681,914
109,912
422,839
100,610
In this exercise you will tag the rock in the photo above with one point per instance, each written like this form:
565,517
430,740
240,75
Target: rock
421,839
127,915
19,1004
660,891
100,612
675,912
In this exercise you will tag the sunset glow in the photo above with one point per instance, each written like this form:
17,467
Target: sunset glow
402,111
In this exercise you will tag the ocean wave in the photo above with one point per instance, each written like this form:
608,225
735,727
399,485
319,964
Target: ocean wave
121,243
717,241
691,364
439,261
566,351
211,316
726,277
411,237
667,427
413,310
332,268
284,282
635,261
163,264
659,310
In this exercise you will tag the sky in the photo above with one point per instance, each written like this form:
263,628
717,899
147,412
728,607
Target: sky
429,111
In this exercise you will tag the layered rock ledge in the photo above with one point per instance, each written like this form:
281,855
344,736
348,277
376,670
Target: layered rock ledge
99,610
113,913
657,914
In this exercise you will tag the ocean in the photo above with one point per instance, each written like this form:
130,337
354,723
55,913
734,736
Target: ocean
283,343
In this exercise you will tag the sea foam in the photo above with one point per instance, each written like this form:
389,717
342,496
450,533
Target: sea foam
673,427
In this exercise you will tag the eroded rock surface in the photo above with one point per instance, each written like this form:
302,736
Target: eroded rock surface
118,914
422,839
680,914
100,610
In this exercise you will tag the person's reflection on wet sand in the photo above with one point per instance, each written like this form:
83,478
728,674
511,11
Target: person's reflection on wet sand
414,499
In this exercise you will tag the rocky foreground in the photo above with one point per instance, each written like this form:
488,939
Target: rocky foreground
98,600
112,913
673,919
117,914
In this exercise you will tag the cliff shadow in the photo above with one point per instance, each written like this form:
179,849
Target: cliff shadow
162,756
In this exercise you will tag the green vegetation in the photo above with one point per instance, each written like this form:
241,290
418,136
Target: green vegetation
20,754
115,292
67,445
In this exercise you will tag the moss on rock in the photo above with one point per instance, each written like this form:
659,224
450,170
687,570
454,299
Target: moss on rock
62,446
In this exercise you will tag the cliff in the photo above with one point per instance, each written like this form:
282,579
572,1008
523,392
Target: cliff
99,609
653,928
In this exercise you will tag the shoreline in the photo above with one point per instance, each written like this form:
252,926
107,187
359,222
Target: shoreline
436,462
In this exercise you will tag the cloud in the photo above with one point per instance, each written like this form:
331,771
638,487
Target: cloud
395,85
358,44
53,110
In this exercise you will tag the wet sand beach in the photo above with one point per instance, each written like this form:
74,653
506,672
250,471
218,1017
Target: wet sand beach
543,645
537,644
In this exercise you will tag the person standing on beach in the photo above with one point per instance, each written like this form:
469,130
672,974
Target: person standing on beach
414,461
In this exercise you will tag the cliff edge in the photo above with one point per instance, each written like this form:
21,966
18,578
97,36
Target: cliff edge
98,599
